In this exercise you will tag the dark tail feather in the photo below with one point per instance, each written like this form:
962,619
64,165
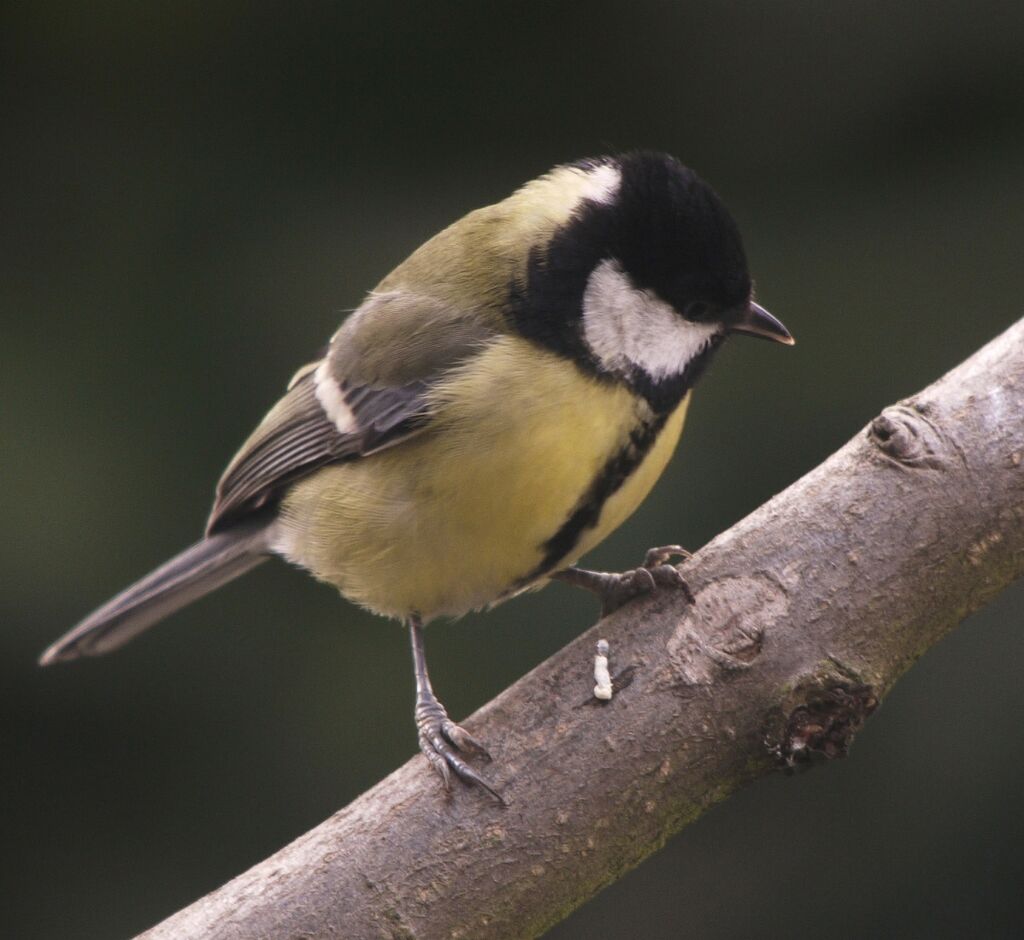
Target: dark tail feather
186,577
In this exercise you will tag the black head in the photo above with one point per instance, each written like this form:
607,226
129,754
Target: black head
620,284
674,237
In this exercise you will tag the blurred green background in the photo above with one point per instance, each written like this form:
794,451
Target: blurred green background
192,193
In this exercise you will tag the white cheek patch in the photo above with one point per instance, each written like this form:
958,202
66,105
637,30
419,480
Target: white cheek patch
602,184
332,400
627,327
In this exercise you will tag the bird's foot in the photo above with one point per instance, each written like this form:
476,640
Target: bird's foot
441,740
616,589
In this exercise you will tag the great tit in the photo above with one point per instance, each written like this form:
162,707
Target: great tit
497,405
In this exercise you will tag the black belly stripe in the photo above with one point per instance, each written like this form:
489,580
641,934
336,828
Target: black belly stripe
619,467
663,397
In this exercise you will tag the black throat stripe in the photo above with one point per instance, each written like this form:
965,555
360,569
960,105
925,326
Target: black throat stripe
619,467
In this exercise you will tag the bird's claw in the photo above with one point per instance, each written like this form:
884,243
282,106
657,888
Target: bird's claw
659,556
441,740
614,590
643,580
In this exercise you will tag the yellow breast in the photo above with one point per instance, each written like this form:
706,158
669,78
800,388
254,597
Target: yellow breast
454,519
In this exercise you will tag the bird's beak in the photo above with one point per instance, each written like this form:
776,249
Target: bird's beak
756,321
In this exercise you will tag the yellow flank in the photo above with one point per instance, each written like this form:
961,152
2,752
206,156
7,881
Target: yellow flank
450,520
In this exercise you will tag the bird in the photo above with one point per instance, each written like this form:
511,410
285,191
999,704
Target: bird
495,407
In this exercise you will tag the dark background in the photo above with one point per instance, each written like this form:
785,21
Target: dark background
192,193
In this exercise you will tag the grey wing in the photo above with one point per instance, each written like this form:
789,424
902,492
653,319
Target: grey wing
298,437
370,392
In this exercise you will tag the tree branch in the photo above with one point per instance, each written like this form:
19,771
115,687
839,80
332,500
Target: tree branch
806,613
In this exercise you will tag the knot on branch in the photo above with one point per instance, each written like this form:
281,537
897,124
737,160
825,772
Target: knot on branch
723,631
904,434
824,727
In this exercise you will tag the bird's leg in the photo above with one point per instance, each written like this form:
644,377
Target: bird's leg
614,590
440,738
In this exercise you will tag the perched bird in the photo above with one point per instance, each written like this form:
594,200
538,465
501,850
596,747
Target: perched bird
496,406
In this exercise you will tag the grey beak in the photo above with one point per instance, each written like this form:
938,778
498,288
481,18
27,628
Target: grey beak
756,321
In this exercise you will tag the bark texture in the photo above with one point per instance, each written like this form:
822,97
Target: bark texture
806,613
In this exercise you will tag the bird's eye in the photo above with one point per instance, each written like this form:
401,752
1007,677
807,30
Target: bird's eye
697,310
